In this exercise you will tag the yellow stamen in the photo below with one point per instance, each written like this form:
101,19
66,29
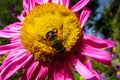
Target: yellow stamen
45,18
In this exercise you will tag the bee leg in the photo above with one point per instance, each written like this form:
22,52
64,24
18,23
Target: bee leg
41,39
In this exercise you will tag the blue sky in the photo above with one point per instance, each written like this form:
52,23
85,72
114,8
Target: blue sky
102,5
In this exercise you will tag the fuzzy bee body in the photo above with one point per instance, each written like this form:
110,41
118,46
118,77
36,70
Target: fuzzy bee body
56,44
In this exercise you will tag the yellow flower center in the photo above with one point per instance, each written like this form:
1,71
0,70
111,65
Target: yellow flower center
50,32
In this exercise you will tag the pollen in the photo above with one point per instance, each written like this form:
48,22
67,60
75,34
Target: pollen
51,31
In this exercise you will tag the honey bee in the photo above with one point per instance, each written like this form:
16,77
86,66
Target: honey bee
56,43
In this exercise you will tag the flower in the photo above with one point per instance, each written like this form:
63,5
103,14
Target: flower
12,9
118,71
118,66
103,76
49,40
118,74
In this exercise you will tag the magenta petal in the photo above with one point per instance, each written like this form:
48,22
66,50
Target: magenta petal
31,71
15,39
84,16
80,68
65,2
14,66
12,56
80,56
21,17
9,34
58,71
79,5
62,71
31,4
15,27
43,71
8,47
50,72
41,1
55,1
25,6
0,68
89,66
28,5
67,72
97,42
36,71
97,54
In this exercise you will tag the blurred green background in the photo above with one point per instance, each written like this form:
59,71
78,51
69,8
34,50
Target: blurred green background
104,22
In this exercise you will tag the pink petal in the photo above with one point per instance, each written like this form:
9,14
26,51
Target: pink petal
62,71
58,71
14,66
97,42
31,4
31,71
61,2
55,1
80,68
15,27
89,66
0,67
50,72
9,34
79,55
97,54
79,5
25,6
67,72
15,39
36,71
41,1
65,2
84,16
21,17
8,47
43,71
28,5
13,55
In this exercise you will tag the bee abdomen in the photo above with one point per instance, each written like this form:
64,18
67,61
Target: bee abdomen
58,46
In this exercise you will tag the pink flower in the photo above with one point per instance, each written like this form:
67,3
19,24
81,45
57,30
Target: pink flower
21,58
